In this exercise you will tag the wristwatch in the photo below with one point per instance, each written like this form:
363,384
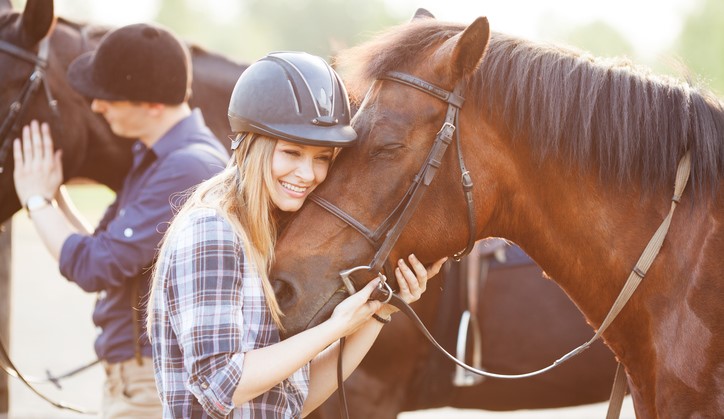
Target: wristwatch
36,202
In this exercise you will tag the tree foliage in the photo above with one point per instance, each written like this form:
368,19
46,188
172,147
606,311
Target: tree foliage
701,44
259,26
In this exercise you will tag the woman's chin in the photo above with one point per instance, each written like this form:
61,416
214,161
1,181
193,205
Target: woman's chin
288,205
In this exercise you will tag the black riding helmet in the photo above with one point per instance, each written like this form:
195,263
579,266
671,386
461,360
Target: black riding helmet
294,96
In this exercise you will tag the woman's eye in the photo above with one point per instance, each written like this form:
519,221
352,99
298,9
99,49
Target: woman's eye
291,152
324,158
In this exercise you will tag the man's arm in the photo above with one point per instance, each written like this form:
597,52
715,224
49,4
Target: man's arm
38,175
71,212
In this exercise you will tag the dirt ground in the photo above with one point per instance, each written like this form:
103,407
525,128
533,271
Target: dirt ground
51,330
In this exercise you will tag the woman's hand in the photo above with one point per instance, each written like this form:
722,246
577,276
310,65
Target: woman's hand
411,282
356,309
38,170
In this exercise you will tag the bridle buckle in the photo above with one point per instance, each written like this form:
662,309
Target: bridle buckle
349,285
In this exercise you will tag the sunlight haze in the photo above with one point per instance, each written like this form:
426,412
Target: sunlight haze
650,26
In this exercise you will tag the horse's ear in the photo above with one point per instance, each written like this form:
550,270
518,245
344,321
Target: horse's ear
422,14
470,47
38,18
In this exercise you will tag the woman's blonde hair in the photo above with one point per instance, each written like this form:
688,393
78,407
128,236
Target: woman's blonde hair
240,193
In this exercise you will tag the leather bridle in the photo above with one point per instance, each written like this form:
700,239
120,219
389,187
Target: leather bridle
9,127
384,238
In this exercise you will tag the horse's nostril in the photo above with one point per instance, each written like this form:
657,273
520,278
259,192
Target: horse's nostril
284,292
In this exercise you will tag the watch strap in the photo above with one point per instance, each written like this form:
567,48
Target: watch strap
37,202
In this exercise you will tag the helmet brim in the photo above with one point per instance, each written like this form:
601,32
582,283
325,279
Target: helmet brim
328,136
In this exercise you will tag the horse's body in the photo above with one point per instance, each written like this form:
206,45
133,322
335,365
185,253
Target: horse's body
573,159
92,151
525,323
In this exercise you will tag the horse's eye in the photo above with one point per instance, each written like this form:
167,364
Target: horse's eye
387,151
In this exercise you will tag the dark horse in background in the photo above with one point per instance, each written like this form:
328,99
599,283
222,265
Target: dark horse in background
387,381
573,158
93,151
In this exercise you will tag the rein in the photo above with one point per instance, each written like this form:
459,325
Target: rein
407,207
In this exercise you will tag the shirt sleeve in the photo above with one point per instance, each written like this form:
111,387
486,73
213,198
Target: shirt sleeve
205,309
126,245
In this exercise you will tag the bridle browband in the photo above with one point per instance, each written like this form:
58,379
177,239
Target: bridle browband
384,238
9,127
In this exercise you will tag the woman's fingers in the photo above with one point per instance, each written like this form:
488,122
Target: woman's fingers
412,282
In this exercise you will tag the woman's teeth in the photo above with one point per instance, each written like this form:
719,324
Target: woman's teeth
292,187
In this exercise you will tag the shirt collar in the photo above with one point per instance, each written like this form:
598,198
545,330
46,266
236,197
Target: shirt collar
173,139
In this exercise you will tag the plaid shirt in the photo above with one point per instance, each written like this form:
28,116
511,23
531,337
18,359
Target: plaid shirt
209,310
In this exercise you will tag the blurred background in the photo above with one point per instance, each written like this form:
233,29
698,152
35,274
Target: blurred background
679,37
51,327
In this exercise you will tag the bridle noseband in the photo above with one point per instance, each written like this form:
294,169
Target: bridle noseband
9,127
384,238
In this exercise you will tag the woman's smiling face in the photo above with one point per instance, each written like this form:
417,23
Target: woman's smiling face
296,170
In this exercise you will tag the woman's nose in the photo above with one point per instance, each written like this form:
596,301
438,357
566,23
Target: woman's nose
305,169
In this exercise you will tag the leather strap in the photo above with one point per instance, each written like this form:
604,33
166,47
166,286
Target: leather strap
617,393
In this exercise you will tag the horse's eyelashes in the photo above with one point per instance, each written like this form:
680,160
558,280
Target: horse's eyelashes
387,151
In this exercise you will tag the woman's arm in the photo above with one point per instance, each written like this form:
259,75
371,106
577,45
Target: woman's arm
266,367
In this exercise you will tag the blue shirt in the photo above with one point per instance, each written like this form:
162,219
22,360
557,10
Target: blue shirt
119,254
209,309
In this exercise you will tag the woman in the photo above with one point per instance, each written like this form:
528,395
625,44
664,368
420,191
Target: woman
213,317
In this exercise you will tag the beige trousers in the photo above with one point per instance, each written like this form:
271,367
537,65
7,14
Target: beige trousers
130,391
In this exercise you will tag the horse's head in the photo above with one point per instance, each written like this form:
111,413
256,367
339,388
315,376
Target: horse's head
397,126
20,35
21,56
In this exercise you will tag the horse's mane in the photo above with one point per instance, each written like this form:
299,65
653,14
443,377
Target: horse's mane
93,32
630,121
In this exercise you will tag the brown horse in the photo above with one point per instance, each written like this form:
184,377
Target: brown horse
571,157
92,151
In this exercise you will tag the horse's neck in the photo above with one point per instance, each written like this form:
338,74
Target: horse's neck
582,234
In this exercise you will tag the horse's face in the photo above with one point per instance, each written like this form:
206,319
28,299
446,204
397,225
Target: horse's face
24,31
15,74
396,125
